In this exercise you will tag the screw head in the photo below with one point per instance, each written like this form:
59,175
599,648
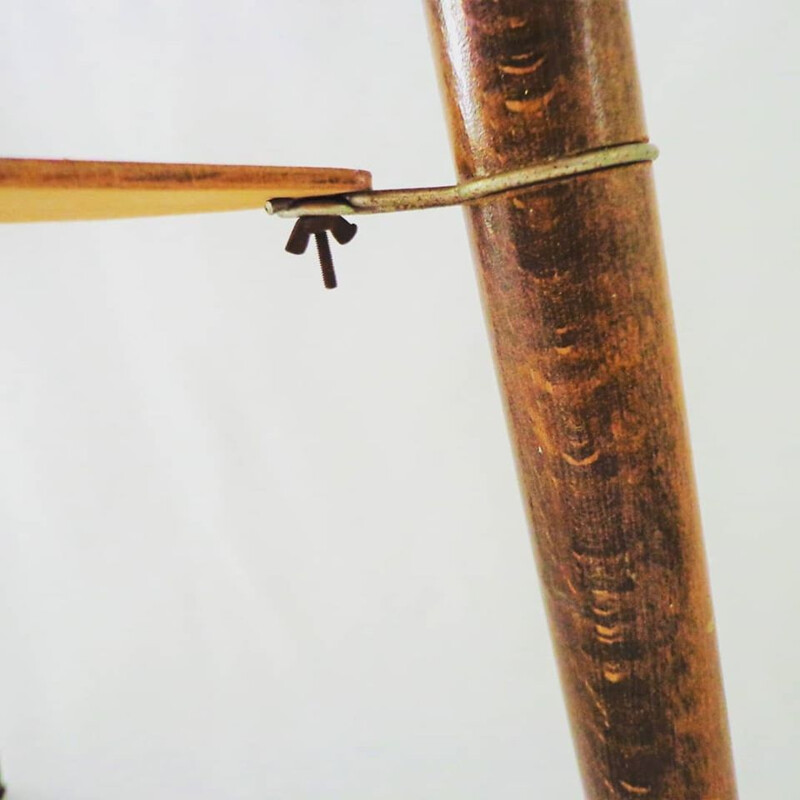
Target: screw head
342,230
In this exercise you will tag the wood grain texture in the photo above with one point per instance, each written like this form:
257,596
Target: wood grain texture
577,303
35,190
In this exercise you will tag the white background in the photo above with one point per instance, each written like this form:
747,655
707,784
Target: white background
260,540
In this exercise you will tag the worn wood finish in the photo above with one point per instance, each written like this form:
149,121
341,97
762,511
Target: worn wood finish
577,303
34,190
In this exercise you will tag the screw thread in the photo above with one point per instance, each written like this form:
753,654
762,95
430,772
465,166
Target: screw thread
325,260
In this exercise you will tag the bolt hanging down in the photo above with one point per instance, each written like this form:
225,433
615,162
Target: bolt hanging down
342,230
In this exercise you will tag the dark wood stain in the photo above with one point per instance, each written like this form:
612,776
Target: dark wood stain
577,304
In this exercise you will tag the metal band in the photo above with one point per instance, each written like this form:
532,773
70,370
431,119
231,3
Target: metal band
389,200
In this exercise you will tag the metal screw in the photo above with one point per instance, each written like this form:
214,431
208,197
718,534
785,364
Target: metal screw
325,260
342,230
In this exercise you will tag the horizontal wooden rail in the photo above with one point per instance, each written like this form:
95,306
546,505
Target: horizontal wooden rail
37,190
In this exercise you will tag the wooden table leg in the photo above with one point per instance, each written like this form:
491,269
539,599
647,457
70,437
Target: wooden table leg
577,304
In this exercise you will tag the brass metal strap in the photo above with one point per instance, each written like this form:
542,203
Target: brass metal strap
387,201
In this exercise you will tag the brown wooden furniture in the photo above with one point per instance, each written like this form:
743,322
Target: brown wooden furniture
38,190
576,299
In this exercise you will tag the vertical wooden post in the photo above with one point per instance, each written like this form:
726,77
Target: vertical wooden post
577,302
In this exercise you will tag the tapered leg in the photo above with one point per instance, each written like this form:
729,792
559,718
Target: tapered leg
577,305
